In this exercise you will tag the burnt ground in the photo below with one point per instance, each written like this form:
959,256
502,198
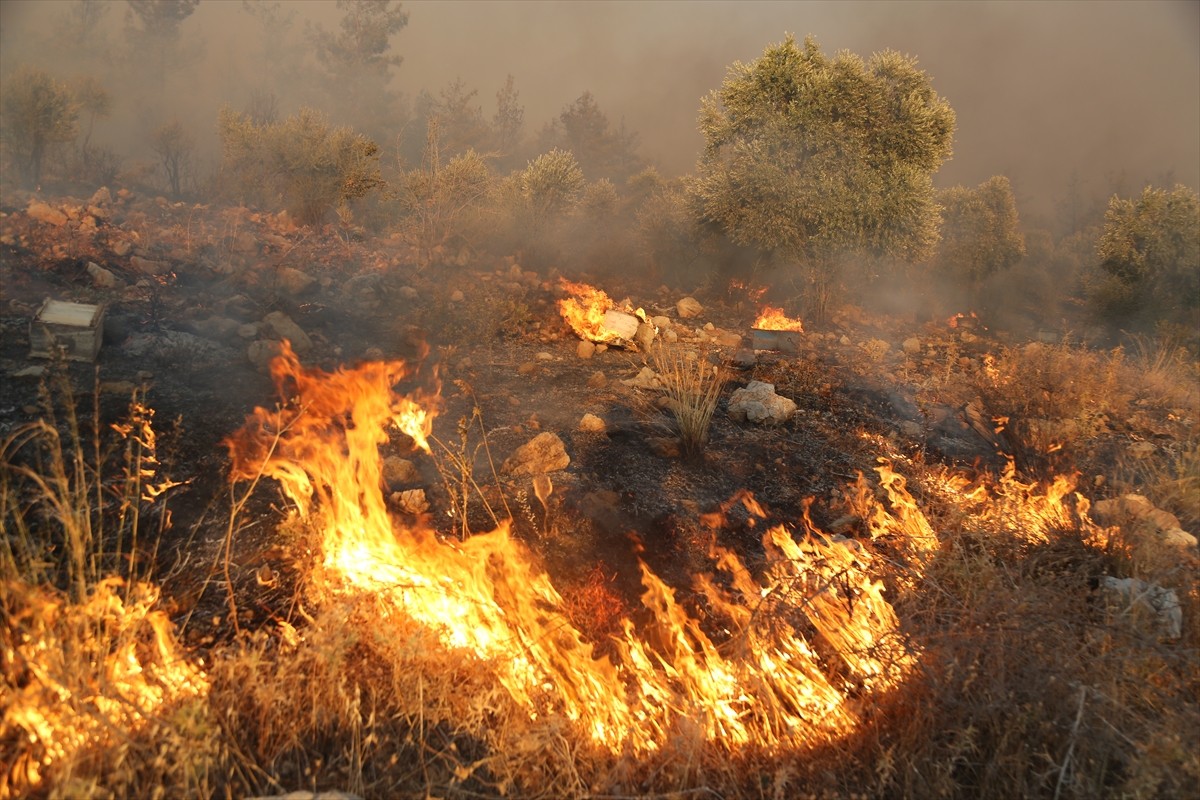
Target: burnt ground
193,284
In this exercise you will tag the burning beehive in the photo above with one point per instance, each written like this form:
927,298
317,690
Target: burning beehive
71,330
775,330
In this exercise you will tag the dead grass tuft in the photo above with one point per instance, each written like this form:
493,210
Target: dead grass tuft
693,388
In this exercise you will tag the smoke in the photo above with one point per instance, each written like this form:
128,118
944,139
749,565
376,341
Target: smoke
1106,92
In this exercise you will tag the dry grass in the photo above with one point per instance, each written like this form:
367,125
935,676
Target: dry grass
693,388
1020,678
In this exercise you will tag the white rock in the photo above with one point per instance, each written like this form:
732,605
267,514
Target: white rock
758,403
688,307
1150,598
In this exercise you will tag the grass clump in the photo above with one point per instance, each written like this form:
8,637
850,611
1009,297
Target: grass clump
693,388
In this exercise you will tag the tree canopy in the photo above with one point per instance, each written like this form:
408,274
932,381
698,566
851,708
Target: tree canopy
812,156
981,231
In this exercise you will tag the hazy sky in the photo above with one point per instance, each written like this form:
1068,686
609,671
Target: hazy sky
1041,89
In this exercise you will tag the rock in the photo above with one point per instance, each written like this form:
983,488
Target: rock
661,322
294,281
597,380
248,330
1147,598
527,368
744,358
912,345
457,296
121,248
1142,449
727,338
590,423
101,197
172,345
103,278
759,404
644,336
282,326
585,349
671,335
148,266
217,327
544,356
1138,513
261,351
45,213
688,307
541,454
34,371
411,501
363,291
646,379
407,292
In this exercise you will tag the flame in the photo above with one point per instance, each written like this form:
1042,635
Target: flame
772,318
773,666
584,309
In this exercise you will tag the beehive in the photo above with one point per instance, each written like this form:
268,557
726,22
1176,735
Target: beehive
71,330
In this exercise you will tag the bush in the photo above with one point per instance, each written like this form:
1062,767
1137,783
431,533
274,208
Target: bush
302,162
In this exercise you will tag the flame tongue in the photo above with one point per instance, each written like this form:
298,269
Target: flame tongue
485,597
774,319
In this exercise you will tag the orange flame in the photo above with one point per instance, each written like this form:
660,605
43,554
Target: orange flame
766,686
772,318
584,310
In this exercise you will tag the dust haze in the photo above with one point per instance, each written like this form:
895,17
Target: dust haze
1105,95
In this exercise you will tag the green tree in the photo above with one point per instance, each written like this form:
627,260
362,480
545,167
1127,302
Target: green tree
302,161
809,157
94,101
36,112
602,152
981,231
1149,253
508,122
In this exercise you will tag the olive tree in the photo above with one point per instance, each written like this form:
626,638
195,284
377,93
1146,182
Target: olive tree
981,231
36,112
1149,253
809,157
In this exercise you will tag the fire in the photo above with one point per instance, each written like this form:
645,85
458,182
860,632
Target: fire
772,318
751,673
594,316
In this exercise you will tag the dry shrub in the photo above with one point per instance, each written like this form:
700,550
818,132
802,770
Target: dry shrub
693,388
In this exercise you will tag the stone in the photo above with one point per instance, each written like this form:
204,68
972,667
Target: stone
407,292
1139,597
457,296
1137,512
727,338
544,356
644,336
1142,449
46,213
527,368
745,358
688,308
121,248
363,291
101,197
541,454
248,330
645,379
103,278
282,326
217,327
411,501
597,380
661,322
912,345
590,423
294,281
261,351
759,404
585,349
148,266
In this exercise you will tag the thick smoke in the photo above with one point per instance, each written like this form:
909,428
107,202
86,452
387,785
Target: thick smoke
1107,95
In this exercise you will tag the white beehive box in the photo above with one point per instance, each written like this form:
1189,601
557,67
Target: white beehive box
72,330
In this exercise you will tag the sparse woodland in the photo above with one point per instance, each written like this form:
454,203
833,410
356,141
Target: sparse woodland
368,494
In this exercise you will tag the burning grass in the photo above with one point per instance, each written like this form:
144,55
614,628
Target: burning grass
957,647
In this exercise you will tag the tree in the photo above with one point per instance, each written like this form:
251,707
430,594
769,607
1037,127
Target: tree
357,62
1149,251
152,30
980,231
508,121
174,146
93,100
36,112
583,129
809,157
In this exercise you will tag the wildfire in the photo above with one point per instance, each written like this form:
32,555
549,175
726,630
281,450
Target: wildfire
761,683
772,318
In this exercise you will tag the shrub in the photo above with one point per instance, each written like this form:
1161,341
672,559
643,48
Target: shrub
302,161
36,112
